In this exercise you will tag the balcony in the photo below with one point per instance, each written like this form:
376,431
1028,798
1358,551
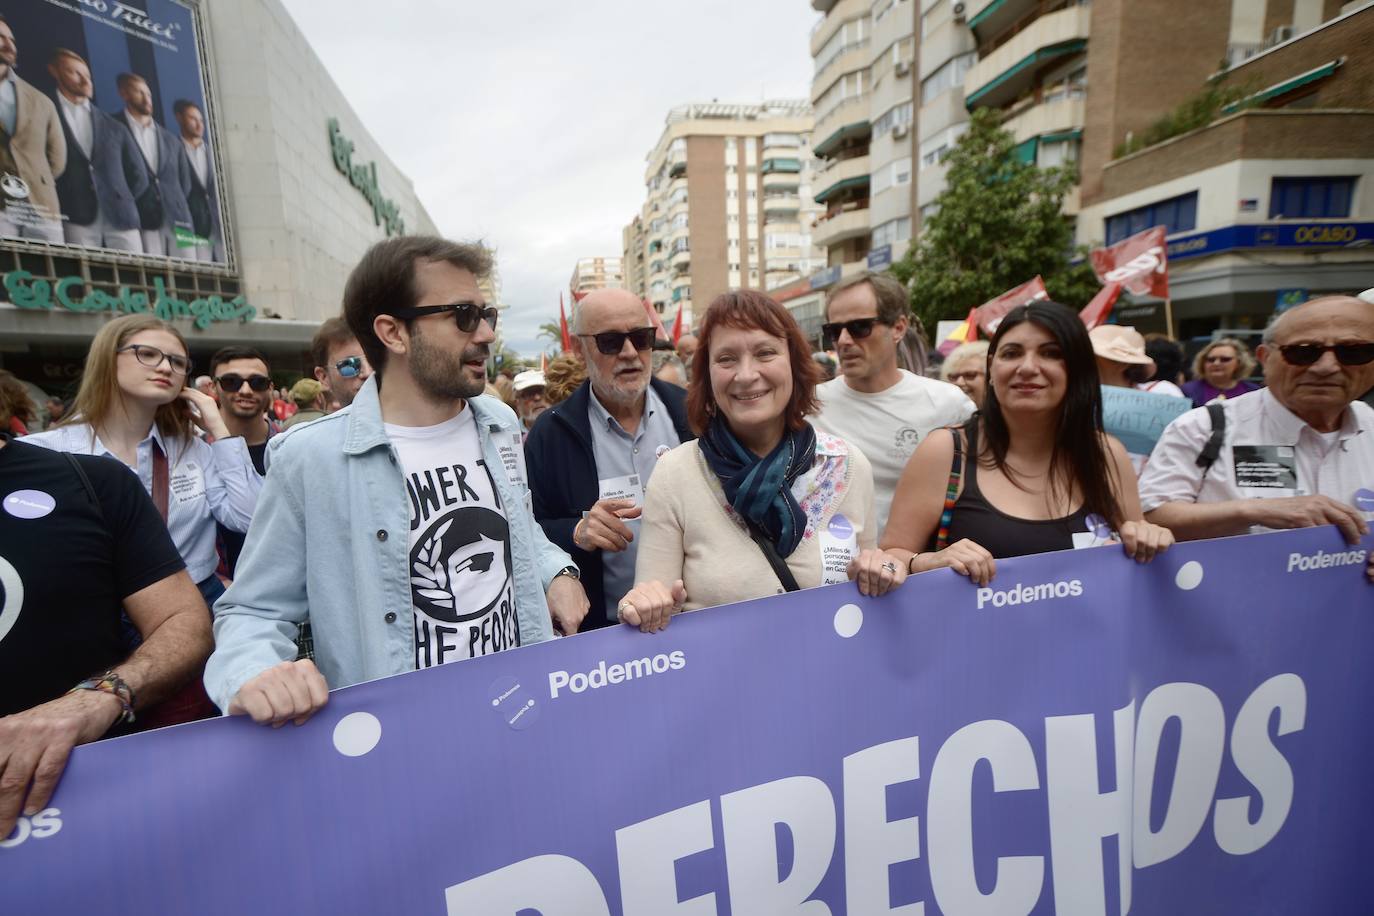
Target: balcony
842,176
781,181
776,165
677,168
1013,69
836,15
1047,118
850,221
989,18
835,124
854,57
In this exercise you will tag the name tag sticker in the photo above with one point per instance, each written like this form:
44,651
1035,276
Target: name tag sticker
187,483
627,487
513,458
1265,467
839,545
1099,533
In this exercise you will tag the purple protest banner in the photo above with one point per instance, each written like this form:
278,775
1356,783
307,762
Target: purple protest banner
1083,736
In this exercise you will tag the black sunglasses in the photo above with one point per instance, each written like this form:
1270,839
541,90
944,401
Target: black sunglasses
467,314
349,367
229,382
858,329
1359,354
612,342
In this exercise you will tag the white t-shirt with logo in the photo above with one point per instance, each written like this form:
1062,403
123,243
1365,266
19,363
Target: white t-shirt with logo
460,559
887,426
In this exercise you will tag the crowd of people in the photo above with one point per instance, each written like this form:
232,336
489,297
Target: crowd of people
172,548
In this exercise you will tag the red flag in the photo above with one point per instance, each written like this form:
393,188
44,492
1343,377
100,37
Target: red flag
1096,312
990,313
563,326
1139,263
578,297
653,316
677,325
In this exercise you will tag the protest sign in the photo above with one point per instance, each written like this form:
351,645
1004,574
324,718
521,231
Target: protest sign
1138,418
1083,736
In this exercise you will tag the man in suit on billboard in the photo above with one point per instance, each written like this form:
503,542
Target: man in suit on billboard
162,209
204,198
33,152
104,174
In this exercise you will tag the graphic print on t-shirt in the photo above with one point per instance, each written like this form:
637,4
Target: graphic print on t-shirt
459,561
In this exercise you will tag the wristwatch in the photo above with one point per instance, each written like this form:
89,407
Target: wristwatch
570,571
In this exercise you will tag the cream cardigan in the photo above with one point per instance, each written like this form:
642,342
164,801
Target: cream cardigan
689,532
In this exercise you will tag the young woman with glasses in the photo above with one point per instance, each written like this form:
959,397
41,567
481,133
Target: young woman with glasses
1032,472
135,404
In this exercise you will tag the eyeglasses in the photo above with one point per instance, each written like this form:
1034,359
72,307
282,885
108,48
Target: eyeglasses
152,357
858,329
1358,354
349,367
1219,359
968,376
467,314
230,383
612,342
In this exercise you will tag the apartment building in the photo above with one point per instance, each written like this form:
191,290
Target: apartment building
888,98
728,204
1272,202
596,273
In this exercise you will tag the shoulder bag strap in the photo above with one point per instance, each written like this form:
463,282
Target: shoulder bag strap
85,483
1212,450
956,475
770,554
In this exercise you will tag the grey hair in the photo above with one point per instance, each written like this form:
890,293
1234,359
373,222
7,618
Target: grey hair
663,358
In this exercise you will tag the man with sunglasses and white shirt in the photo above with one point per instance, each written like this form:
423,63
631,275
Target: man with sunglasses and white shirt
243,386
1296,454
340,364
405,519
874,403
591,456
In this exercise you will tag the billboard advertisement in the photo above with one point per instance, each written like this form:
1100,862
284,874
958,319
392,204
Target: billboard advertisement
105,129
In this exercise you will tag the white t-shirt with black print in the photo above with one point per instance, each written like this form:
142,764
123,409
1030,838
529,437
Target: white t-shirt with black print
460,559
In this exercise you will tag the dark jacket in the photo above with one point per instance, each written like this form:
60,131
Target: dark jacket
164,203
564,483
203,199
109,181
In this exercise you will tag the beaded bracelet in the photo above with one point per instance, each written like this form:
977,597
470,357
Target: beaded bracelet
113,684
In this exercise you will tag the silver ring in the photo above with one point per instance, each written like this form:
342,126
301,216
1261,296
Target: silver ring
890,567
620,610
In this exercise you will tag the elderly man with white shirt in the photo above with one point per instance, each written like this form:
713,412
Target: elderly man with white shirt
104,174
1297,454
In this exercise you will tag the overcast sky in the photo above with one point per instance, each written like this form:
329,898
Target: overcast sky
526,124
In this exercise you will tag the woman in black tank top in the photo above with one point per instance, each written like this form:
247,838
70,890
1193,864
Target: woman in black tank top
1033,472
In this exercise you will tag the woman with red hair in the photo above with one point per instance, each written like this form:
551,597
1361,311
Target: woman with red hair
761,503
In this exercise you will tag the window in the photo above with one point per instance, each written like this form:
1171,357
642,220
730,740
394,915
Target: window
1311,198
1177,214
932,18
891,231
1073,86
935,149
1057,152
891,175
853,34
893,117
947,77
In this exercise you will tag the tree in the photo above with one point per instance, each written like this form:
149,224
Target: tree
550,331
998,225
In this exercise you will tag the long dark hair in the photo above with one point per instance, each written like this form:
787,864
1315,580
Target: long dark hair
1080,454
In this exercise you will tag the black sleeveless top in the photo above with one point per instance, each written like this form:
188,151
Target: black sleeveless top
1000,534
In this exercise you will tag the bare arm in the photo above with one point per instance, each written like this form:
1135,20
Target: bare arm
35,744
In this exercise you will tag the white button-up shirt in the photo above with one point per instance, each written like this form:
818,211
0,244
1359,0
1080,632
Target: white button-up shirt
9,102
146,137
78,118
1280,456
206,483
200,159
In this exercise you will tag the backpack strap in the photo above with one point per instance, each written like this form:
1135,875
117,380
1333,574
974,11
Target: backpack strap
85,484
956,476
1212,450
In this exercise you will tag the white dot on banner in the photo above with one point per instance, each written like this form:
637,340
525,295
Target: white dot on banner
496,702
1189,576
848,620
357,733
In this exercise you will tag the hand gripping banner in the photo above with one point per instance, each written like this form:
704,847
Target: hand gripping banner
1084,736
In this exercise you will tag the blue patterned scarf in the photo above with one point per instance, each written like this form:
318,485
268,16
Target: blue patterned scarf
760,489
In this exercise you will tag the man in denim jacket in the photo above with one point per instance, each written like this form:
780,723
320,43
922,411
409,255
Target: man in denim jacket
405,517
